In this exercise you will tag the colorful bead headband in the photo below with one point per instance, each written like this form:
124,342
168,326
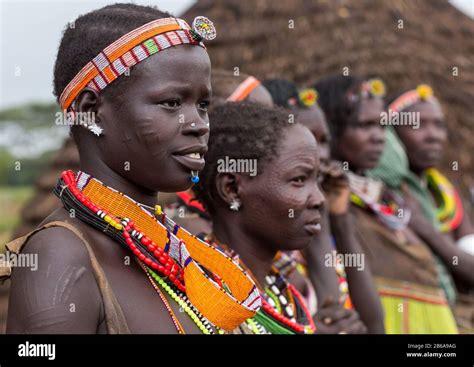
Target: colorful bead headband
244,89
422,93
133,48
368,88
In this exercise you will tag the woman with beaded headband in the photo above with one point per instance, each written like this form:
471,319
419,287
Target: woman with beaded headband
109,262
391,250
332,292
226,87
433,196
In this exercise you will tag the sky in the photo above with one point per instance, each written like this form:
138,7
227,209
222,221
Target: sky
30,32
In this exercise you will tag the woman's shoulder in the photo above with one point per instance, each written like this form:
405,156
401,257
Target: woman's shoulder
58,285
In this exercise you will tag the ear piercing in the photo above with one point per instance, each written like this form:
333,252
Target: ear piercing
95,129
235,205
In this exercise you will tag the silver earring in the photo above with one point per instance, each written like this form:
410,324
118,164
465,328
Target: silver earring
94,128
193,124
235,205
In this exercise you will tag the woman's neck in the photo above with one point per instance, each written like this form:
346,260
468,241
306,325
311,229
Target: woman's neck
256,256
105,174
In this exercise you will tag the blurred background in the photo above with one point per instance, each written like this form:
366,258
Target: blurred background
405,42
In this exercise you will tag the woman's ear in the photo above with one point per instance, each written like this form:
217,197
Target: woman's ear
227,185
87,110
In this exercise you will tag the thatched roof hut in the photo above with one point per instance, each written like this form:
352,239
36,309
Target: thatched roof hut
403,41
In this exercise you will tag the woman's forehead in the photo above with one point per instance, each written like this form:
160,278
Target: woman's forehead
370,109
181,65
427,109
297,141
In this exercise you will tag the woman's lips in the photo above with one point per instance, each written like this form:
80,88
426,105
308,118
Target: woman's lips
374,155
192,161
312,229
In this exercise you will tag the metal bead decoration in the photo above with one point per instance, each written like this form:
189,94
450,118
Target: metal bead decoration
204,28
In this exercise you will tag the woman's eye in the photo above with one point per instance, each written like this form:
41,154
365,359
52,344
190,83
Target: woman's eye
204,105
172,103
299,180
367,124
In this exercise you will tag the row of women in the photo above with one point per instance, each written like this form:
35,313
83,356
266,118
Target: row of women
284,209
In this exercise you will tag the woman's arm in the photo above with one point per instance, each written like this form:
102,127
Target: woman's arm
362,290
323,278
460,263
61,295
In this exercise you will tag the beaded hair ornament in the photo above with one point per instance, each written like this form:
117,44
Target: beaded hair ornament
423,92
367,89
244,89
131,49
306,97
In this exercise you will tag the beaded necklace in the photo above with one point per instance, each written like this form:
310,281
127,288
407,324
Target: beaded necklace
180,298
449,210
164,248
282,305
370,194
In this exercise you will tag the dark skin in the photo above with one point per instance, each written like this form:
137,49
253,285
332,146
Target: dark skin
336,222
261,96
322,277
141,127
425,148
313,118
361,143
288,182
263,225
197,224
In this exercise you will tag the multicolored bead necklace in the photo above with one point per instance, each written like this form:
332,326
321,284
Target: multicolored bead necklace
282,305
185,262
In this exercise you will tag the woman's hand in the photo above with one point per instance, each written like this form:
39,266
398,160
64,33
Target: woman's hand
336,188
333,318
417,218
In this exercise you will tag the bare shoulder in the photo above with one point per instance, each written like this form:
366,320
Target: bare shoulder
57,292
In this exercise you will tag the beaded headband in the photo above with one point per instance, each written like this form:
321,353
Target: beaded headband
133,48
422,93
368,88
244,89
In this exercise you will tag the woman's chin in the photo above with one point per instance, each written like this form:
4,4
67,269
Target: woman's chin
178,184
299,243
